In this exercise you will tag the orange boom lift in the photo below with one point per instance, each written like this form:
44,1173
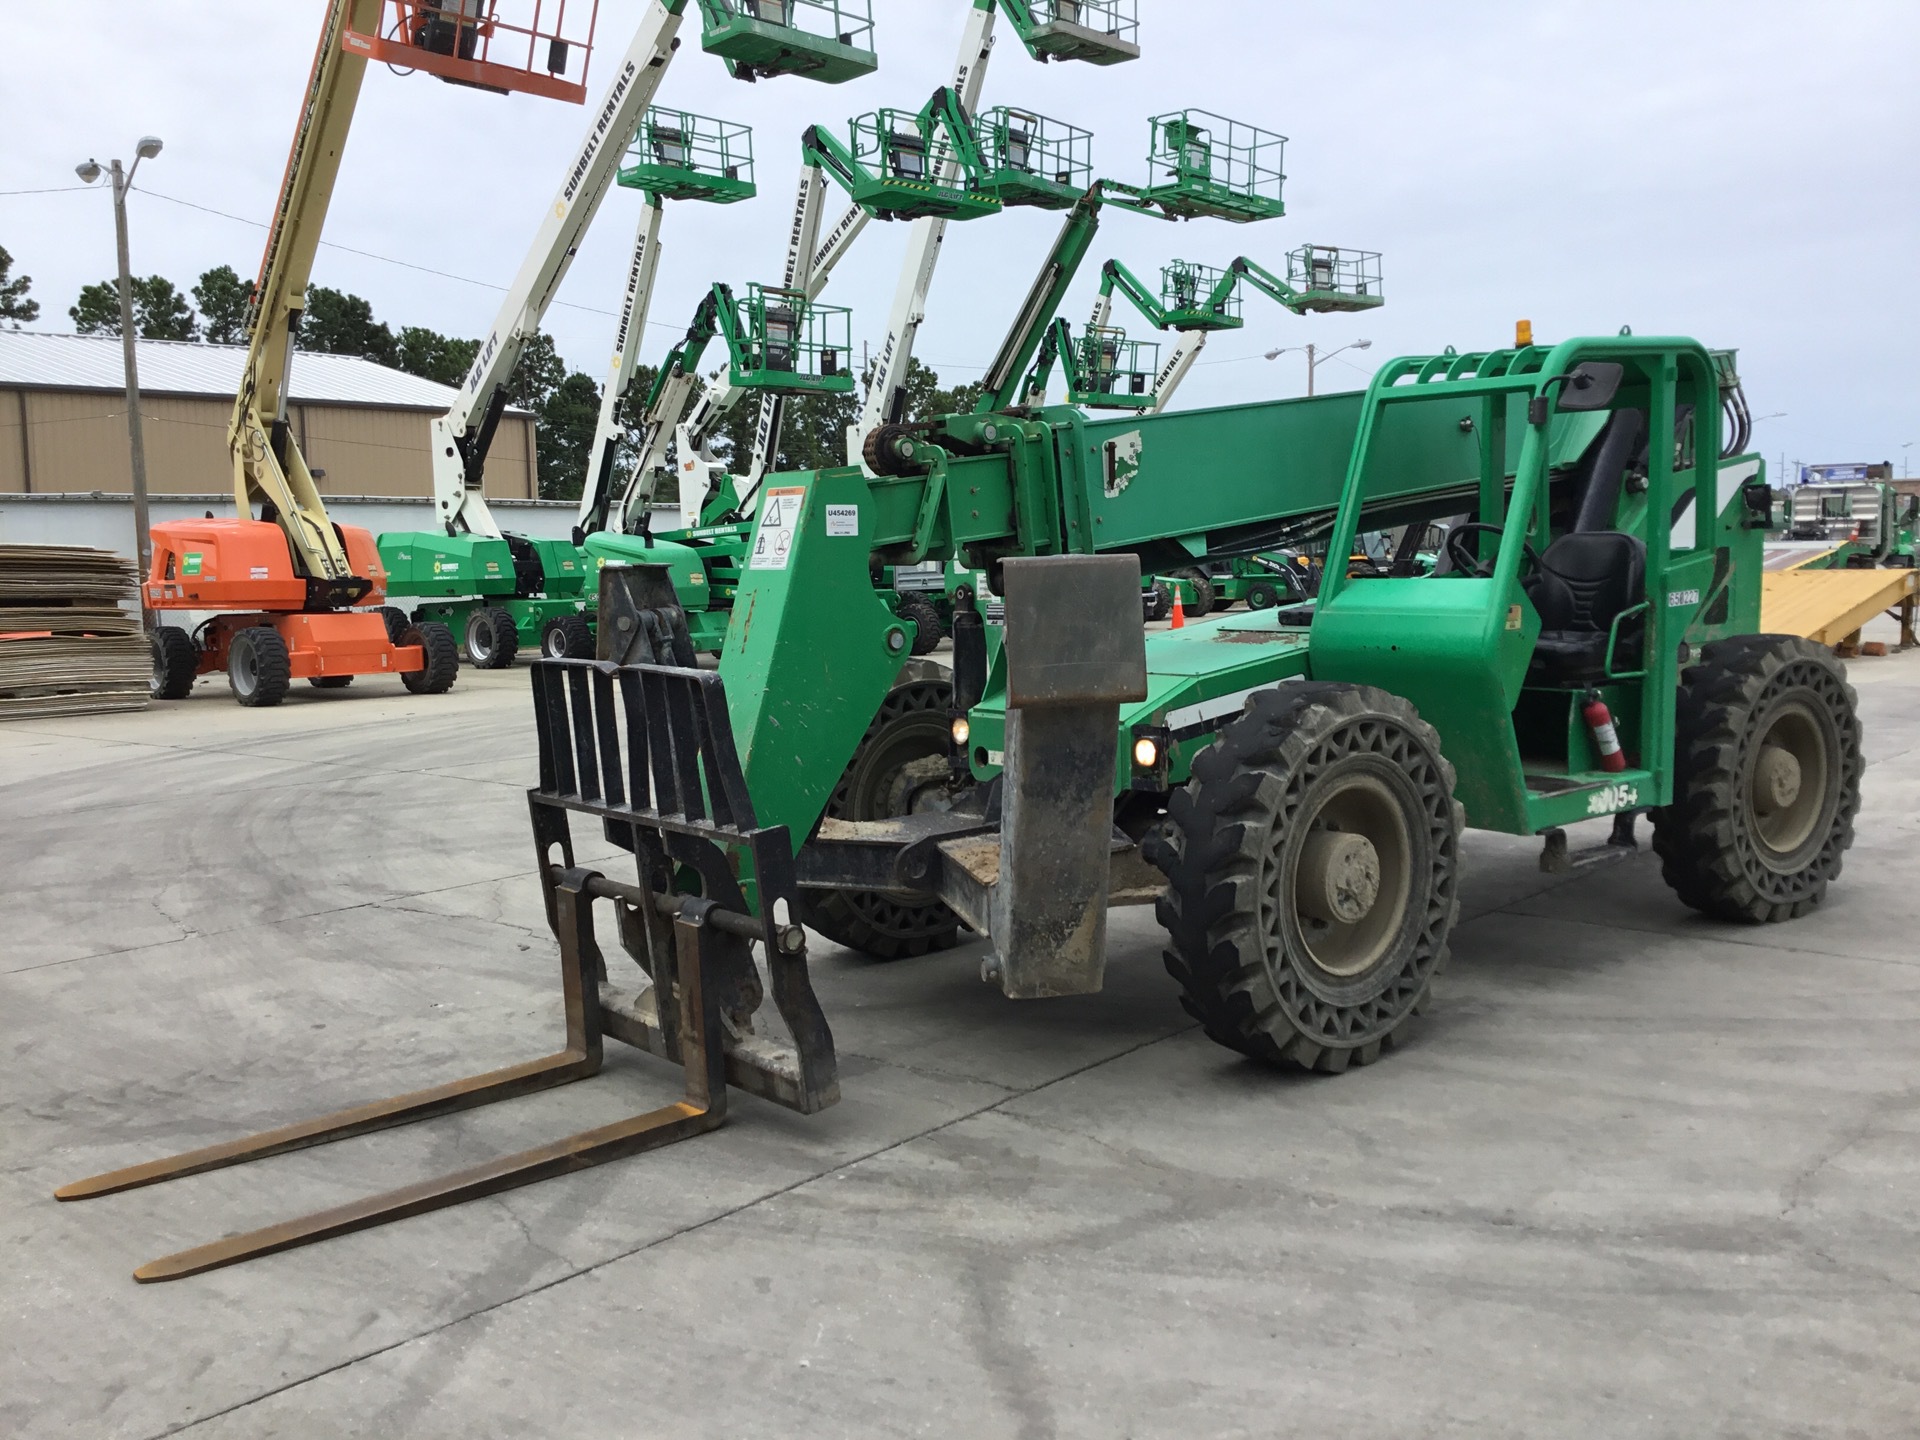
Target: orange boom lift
295,595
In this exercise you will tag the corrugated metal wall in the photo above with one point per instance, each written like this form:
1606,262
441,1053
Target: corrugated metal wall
55,441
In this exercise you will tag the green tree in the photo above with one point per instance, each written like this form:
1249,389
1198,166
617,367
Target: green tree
160,312
564,435
226,306
539,373
336,323
14,304
433,356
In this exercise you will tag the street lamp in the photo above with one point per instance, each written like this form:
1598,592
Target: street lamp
1314,358
147,147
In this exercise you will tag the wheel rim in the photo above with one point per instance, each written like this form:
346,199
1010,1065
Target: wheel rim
1789,782
480,639
553,644
160,676
1346,882
241,665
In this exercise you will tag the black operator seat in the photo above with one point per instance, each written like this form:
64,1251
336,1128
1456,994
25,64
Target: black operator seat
1593,572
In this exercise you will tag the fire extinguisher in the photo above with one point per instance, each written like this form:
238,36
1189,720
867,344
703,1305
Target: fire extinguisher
1600,723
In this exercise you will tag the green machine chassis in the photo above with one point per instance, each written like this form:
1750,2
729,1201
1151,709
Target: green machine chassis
1095,766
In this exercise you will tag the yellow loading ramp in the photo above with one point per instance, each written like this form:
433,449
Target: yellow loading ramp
1830,606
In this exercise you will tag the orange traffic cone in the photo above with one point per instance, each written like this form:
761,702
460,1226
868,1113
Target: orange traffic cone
1179,611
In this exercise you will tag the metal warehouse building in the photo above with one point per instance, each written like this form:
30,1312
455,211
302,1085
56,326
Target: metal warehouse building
63,424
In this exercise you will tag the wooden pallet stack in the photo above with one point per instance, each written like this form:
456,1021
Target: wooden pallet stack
70,640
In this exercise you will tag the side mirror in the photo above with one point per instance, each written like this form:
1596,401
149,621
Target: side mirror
1757,498
1590,385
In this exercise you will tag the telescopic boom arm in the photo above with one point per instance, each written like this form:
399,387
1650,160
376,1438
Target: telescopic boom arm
461,437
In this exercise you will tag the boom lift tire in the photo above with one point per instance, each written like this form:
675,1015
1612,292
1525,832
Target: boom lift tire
1159,601
1767,776
927,629
1262,595
259,670
396,621
492,639
442,658
330,682
569,637
176,661
1336,800
1204,595
901,765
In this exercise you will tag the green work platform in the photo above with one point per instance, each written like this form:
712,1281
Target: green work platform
1100,32
1194,298
678,155
788,343
1112,372
1032,160
826,40
1203,164
896,159
1330,279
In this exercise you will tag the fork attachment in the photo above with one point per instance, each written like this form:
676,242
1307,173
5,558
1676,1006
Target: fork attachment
648,750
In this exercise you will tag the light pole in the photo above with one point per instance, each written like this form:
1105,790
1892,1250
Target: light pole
148,147
1314,358
1906,464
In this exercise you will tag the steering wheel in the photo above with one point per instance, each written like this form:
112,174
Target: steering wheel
1468,563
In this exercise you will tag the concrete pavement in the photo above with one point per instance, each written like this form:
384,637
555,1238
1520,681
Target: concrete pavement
1637,1174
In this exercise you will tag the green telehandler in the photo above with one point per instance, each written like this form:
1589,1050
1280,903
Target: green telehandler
1288,787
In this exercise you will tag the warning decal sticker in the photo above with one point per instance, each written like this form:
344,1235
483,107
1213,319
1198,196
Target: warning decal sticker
779,523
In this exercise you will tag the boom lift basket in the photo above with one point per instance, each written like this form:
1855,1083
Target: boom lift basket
1100,32
897,157
826,40
783,341
1186,294
539,46
1032,160
1206,164
678,155
1331,279
1113,372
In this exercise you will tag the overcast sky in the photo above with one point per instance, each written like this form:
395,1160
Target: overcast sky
1745,171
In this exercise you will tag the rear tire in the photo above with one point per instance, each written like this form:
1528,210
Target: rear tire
440,655
492,639
569,637
901,764
1767,770
329,682
176,663
1204,594
1157,602
1312,864
259,670
927,629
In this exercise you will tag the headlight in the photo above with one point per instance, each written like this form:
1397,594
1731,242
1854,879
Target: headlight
962,731
1146,753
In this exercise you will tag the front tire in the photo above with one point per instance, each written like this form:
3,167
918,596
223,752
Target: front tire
569,637
1204,594
927,629
259,670
1157,601
1767,770
1262,595
492,639
1312,865
440,658
901,766
176,663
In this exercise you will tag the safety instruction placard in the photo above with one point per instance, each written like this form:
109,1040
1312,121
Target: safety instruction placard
779,523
